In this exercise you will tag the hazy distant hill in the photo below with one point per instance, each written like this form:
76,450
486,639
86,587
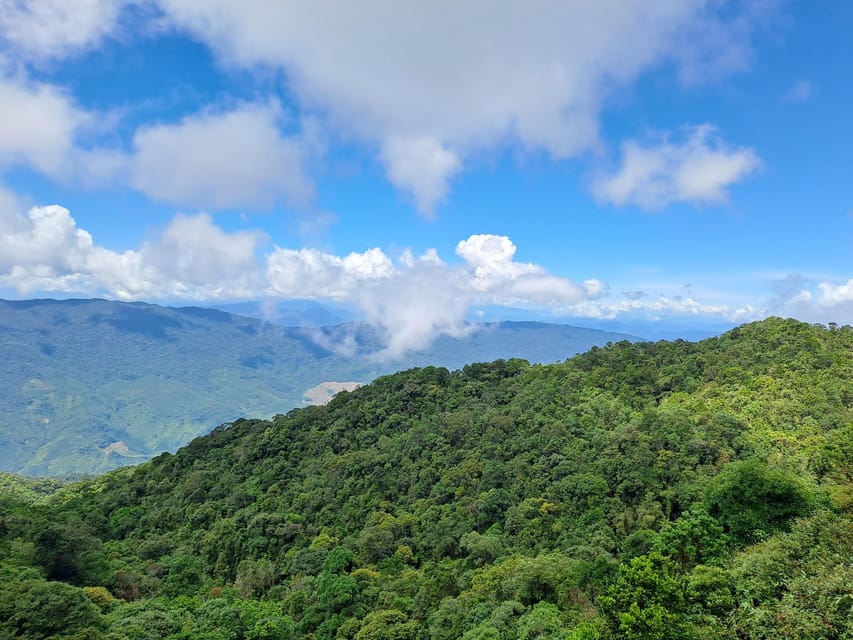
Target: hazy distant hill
89,385
292,313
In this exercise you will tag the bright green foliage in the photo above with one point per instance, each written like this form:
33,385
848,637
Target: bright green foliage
798,584
542,621
27,489
148,620
694,538
185,575
35,609
752,500
387,625
636,491
648,600
100,597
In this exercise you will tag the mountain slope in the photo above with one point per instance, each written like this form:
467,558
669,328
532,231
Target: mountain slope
635,491
89,385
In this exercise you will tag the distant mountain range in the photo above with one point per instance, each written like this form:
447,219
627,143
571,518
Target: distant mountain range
90,385
291,313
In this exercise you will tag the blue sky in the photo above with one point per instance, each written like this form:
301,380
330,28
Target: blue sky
672,161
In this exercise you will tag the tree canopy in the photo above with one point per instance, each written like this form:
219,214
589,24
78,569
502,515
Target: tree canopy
639,490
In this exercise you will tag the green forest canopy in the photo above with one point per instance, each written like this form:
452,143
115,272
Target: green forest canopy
640,490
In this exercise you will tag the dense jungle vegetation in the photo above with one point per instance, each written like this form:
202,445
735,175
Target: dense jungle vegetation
637,491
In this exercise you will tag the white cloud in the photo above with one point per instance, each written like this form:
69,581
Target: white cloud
411,300
420,298
502,280
210,160
833,302
419,303
810,298
493,259
38,125
429,87
192,259
9,204
595,288
429,84
229,159
421,166
45,248
698,170
195,251
122,275
312,274
47,239
664,306
831,293
44,29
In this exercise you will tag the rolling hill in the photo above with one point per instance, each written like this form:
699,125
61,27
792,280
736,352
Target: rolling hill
634,492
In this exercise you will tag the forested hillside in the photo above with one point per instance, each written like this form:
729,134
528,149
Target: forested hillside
90,385
636,491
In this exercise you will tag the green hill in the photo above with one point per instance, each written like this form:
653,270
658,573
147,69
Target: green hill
650,490
91,385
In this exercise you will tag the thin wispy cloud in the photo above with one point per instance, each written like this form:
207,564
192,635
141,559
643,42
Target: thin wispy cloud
802,91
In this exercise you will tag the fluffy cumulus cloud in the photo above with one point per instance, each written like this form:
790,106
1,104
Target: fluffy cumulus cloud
415,299
312,274
422,167
828,301
229,159
421,301
501,280
429,84
193,259
44,129
697,170
410,299
38,126
216,159
43,250
219,158
198,254
831,293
